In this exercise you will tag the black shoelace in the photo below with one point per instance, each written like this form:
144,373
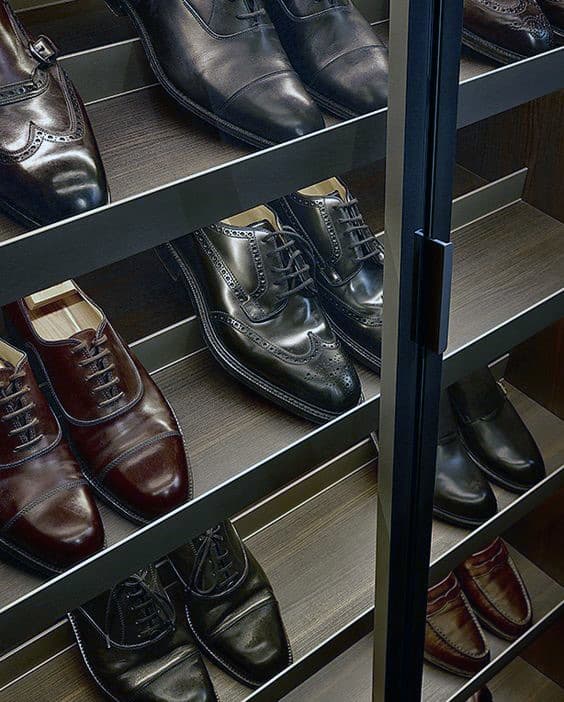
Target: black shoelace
14,399
255,10
296,272
153,612
212,549
364,244
100,360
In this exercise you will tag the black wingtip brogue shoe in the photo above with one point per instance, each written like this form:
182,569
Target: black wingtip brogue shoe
260,314
463,496
506,30
224,62
136,645
349,263
336,53
554,11
494,433
49,163
231,608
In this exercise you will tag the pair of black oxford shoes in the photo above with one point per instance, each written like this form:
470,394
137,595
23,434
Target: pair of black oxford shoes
482,438
286,294
258,70
143,640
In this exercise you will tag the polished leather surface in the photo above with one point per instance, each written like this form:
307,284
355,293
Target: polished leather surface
227,59
496,591
50,167
231,607
494,433
267,319
554,11
349,267
136,645
463,496
336,53
48,517
506,29
126,434
453,638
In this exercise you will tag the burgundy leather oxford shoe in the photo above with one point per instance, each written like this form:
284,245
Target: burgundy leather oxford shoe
119,424
48,518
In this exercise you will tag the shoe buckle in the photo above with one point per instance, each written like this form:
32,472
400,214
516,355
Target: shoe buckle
44,50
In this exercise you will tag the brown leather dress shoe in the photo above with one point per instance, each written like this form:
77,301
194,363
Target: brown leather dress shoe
496,591
453,638
554,11
119,423
506,30
50,167
48,518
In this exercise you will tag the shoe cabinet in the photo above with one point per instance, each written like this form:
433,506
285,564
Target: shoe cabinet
305,495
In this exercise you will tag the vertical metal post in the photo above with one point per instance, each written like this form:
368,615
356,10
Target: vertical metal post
425,38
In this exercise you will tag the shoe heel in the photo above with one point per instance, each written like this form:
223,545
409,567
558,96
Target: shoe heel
116,7
168,262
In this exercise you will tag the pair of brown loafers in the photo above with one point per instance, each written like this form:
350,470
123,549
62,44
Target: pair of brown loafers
486,589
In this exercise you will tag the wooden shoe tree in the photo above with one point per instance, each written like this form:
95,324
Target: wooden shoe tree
60,311
249,217
9,355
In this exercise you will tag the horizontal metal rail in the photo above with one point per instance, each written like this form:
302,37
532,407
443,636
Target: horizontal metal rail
108,234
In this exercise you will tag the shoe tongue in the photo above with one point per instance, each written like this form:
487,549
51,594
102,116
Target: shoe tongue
15,63
87,335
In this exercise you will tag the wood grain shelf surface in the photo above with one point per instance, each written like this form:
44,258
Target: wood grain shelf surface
329,542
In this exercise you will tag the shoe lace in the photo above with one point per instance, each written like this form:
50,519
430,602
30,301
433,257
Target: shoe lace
154,613
99,358
296,272
364,243
255,10
212,548
14,398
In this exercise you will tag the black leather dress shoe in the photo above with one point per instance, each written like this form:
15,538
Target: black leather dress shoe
260,315
554,11
495,434
463,496
50,167
336,53
224,62
506,30
136,646
349,263
230,606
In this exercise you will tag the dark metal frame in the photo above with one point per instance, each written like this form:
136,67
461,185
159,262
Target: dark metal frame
424,68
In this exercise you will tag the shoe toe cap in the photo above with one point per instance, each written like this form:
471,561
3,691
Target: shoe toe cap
356,81
256,645
152,479
331,382
276,108
61,530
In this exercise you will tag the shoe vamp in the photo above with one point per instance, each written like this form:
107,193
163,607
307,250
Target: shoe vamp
200,64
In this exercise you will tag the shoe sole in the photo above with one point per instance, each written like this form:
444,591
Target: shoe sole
489,49
455,520
172,260
450,669
122,8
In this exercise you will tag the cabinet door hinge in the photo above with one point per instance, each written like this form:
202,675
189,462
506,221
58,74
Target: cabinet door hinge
433,272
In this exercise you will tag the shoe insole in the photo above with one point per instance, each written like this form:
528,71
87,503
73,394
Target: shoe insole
325,188
250,217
